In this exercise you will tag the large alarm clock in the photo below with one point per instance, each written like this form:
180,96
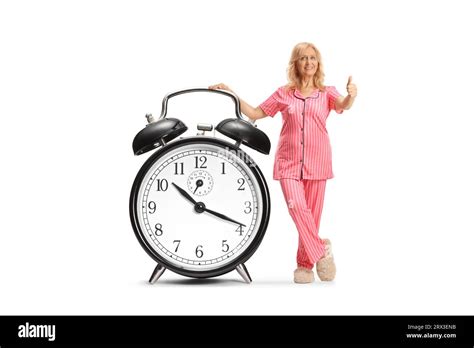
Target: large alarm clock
200,205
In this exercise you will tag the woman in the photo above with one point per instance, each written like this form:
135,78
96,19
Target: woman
303,160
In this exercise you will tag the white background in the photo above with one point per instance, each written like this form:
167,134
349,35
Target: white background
77,77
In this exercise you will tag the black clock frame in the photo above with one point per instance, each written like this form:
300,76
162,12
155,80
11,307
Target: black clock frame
249,251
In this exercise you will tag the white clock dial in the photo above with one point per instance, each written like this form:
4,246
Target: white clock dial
180,231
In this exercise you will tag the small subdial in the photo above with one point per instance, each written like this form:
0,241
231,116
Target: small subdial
200,182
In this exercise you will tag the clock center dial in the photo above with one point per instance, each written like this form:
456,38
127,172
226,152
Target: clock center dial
200,182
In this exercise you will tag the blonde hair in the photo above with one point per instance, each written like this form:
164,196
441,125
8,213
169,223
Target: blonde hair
294,78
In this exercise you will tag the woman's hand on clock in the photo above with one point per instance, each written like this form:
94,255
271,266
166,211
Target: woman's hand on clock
201,207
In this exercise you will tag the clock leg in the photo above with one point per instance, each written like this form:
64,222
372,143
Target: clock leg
244,273
159,269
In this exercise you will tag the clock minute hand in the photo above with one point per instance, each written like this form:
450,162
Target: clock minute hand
200,207
184,193
222,216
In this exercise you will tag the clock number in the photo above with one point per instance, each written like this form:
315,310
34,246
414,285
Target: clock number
203,161
162,184
248,207
151,207
158,230
240,230
223,168
199,252
181,168
225,246
177,244
241,181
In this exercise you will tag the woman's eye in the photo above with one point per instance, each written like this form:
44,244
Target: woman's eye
306,58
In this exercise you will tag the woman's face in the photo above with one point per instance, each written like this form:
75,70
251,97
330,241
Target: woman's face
307,63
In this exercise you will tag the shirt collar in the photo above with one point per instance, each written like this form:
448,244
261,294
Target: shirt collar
313,95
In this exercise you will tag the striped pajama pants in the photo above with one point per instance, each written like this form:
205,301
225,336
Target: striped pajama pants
305,199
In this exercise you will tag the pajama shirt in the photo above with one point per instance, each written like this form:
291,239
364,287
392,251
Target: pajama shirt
303,161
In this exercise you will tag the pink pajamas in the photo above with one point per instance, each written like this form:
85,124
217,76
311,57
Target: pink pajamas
304,199
303,161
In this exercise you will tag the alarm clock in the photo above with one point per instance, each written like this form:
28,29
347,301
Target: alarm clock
199,205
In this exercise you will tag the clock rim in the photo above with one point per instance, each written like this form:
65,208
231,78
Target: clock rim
253,246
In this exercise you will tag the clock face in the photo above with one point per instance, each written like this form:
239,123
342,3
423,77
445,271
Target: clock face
199,206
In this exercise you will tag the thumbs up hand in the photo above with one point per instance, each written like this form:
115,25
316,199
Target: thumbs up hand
351,88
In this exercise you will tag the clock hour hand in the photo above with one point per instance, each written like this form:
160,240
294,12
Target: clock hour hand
185,194
222,216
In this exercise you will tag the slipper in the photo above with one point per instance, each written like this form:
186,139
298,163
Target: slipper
325,267
303,275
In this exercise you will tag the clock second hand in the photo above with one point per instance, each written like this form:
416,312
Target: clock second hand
199,183
200,207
